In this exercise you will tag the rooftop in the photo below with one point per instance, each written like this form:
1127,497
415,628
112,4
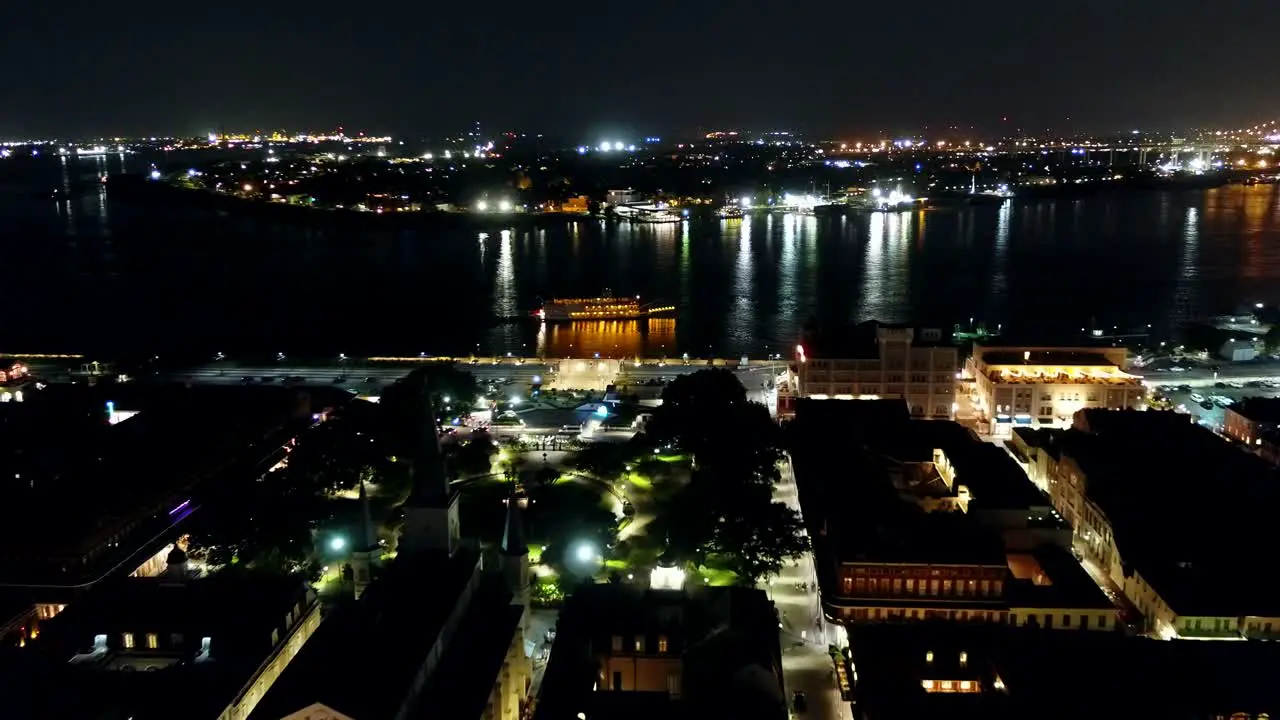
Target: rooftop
1047,357
1187,561
363,660
1258,409
237,614
845,454
1050,577
860,341
1017,673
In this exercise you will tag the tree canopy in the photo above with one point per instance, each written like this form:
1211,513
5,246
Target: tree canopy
727,509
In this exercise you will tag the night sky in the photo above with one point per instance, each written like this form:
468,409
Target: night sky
570,68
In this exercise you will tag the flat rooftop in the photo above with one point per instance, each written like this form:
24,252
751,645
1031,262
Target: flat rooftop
1258,409
859,341
238,614
1189,511
844,459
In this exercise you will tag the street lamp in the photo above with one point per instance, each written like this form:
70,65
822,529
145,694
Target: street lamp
586,552
337,543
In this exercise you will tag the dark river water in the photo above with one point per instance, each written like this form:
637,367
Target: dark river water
96,274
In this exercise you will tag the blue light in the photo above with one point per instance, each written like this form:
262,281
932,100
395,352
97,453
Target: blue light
111,407
602,411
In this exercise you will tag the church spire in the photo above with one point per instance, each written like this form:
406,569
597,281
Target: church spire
430,481
368,537
513,542
431,512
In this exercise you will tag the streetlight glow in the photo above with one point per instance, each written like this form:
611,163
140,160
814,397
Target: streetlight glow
337,543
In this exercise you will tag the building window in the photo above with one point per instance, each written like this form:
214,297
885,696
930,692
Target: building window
1066,621
617,680
128,641
847,585
946,587
639,643
933,587
964,659
617,643
897,586
153,641
1084,622
662,643
275,635
986,587
862,585
911,585
928,656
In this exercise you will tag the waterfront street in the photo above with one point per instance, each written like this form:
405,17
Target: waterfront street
804,636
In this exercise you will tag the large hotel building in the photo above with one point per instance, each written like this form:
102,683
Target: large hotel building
877,360
1045,386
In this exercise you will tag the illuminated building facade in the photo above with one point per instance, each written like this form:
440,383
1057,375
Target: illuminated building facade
878,360
1177,547
1037,386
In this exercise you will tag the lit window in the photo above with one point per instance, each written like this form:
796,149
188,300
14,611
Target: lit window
946,684
928,656
928,684
617,643
662,643
964,658
966,685
639,643
128,641
153,641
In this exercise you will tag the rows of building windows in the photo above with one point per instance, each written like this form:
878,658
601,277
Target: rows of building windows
922,587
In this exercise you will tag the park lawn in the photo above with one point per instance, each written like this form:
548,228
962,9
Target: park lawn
717,577
639,482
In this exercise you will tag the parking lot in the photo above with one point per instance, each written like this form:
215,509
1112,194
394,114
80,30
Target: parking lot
1218,396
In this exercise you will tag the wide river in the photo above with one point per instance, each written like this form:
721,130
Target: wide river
92,274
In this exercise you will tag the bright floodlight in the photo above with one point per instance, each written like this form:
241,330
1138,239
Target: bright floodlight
515,401
482,206
631,148
875,193
446,399
618,146
337,543
586,552
505,206
602,411
248,187
155,174
745,203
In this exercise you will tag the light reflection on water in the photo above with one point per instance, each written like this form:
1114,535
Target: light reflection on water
195,276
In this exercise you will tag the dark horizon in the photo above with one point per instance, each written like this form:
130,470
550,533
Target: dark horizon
830,70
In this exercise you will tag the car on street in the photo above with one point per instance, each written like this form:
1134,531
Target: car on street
1197,398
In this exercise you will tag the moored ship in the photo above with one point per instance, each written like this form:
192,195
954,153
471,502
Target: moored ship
606,307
